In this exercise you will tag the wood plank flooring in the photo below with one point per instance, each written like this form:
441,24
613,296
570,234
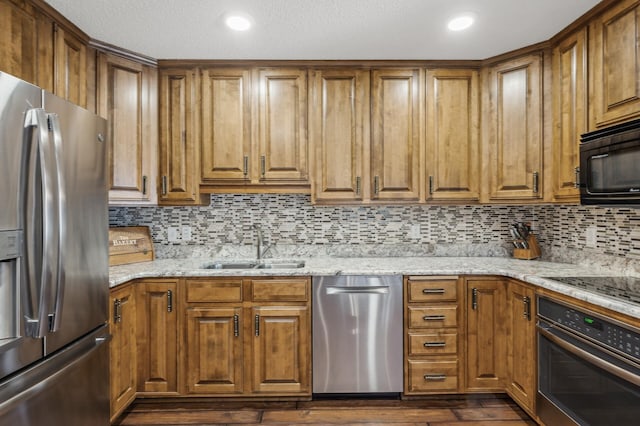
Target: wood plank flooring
450,411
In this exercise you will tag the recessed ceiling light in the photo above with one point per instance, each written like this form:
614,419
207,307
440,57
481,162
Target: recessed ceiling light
460,23
238,22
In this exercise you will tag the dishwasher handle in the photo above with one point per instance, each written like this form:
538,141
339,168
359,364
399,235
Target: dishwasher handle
379,289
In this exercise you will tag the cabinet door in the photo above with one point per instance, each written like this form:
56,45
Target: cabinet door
157,336
339,128
521,352
282,141
486,338
281,350
125,99
214,350
570,112
614,65
453,123
122,348
70,81
516,125
226,125
179,159
395,134
18,41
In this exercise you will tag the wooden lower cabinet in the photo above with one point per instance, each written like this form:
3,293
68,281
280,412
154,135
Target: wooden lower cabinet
248,337
521,344
122,348
432,332
281,350
213,350
485,334
157,336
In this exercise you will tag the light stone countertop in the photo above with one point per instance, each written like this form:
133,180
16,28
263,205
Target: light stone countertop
534,272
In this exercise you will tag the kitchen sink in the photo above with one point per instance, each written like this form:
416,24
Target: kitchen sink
275,264
281,265
231,265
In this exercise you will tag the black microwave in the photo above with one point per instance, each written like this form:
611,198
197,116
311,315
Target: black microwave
610,165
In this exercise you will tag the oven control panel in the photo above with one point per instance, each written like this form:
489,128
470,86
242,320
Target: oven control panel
607,332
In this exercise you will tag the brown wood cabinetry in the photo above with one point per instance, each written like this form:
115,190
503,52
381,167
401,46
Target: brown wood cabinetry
179,137
453,135
432,319
70,73
127,92
521,345
157,336
254,128
486,345
614,68
19,41
515,128
122,348
396,137
248,336
339,134
569,112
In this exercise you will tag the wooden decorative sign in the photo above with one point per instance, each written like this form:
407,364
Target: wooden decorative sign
130,244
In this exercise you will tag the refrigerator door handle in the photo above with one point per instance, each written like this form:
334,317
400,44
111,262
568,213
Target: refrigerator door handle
40,236
56,303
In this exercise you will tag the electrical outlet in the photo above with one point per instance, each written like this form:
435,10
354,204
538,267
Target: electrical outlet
173,234
591,235
415,231
186,233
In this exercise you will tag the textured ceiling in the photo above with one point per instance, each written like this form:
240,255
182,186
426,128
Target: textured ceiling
321,29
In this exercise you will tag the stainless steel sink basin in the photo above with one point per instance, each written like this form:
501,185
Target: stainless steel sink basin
281,265
267,264
231,265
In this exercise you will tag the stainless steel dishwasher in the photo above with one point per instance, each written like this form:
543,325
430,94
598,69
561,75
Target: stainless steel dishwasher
357,334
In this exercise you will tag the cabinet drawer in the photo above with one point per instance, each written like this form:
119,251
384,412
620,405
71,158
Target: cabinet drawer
214,291
432,290
428,376
293,290
433,317
433,343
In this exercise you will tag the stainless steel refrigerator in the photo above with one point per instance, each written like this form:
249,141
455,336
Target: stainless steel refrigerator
54,365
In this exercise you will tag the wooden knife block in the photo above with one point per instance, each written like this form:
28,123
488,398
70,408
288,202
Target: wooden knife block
533,252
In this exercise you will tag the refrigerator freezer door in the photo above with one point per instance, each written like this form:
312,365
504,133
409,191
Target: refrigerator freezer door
80,297
70,388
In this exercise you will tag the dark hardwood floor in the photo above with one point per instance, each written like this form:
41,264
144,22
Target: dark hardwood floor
454,410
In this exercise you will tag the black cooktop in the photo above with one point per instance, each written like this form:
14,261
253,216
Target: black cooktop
624,288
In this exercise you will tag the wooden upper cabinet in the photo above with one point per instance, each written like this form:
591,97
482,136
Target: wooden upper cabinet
179,153
338,125
126,97
569,112
395,134
282,136
18,41
452,140
614,65
516,129
70,81
226,126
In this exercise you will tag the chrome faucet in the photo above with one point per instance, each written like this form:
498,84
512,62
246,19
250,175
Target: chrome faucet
260,251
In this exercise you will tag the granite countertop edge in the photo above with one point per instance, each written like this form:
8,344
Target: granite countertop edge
533,272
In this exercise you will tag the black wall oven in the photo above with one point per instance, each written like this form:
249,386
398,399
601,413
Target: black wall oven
610,165
588,368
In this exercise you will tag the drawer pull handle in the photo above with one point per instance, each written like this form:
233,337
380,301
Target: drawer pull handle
434,377
434,344
433,290
433,317
236,325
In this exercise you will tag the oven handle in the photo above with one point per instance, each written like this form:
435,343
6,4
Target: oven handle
592,359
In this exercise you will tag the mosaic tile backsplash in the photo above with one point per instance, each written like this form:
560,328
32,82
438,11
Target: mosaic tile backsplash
291,220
